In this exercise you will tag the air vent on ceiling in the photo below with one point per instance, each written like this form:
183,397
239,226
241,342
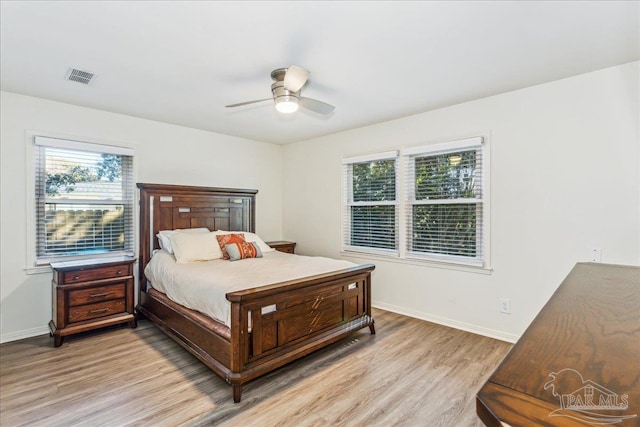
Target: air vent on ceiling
80,76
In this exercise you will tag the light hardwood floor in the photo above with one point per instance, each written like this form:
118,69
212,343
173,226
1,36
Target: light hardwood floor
411,373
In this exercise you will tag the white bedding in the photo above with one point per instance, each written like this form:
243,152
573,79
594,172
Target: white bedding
202,286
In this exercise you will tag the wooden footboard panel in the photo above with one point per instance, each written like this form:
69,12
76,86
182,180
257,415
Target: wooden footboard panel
292,319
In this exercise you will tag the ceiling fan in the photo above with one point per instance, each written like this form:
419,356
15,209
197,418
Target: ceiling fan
286,89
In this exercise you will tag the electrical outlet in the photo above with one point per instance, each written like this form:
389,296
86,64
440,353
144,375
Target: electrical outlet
596,255
505,305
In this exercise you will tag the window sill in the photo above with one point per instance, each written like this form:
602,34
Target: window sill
44,265
41,269
418,262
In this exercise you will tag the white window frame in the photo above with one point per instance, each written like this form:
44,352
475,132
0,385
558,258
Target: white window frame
409,155
348,203
33,265
404,200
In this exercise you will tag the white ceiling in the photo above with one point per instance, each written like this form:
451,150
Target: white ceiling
181,62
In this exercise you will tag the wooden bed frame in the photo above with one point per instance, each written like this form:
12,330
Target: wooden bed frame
270,325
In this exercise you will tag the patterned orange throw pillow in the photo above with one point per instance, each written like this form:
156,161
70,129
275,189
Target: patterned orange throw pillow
243,250
225,239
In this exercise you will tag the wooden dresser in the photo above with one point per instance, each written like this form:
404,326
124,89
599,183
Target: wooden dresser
90,294
283,246
578,363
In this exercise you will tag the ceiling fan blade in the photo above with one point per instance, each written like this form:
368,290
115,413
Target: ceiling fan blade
295,78
248,102
316,106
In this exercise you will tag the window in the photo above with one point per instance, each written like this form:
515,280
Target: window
83,199
442,216
371,207
444,203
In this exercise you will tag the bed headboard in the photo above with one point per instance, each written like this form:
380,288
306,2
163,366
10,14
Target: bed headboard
167,207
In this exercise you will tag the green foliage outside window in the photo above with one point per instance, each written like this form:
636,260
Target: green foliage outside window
448,228
65,181
374,226
445,229
82,227
374,181
110,167
446,176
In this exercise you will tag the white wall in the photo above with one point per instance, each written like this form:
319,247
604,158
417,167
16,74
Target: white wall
564,176
565,163
164,153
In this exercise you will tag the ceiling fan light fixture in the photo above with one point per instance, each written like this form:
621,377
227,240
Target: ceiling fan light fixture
286,89
286,104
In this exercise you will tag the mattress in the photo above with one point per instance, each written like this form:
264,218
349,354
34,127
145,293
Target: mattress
202,286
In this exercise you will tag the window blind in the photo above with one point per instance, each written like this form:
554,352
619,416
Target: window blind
370,203
84,199
444,204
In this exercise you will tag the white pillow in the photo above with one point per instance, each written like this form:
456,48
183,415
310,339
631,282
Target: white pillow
250,237
164,236
191,247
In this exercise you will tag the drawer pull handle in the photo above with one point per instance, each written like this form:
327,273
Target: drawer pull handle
76,277
102,310
119,272
104,294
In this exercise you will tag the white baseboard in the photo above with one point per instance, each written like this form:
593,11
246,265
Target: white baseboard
468,327
27,333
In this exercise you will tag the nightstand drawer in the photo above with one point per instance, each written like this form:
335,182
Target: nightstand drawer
92,311
95,274
95,295
286,249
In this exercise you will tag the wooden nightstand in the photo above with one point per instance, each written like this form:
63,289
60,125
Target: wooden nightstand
283,246
90,294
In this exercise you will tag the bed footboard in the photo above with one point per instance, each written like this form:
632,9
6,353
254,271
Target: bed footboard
274,325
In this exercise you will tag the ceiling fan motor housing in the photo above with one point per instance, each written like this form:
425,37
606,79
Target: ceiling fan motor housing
282,94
